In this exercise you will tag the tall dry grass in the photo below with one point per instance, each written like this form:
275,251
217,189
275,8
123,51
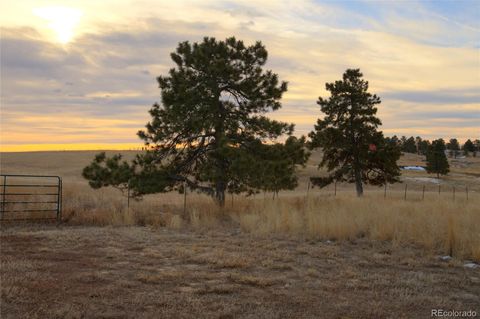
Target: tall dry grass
440,225
84,206
437,224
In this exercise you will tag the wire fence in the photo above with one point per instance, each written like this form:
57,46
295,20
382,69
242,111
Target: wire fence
405,191
398,191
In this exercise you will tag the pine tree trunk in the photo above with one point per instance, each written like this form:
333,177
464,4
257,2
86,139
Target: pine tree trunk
358,182
220,193
358,176
356,160
220,183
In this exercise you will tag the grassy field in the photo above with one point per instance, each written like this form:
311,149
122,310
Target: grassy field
299,256
140,272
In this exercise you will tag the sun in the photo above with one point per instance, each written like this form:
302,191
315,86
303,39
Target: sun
61,20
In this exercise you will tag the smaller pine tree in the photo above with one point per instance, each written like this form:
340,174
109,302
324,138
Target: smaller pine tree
468,147
423,147
454,147
476,145
436,159
409,145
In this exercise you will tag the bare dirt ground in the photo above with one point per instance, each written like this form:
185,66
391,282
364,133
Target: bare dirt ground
141,272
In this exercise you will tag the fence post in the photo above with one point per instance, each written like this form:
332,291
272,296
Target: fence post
466,191
308,188
405,197
423,192
128,197
439,186
184,198
453,192
385,191
335,191
59,200
61,197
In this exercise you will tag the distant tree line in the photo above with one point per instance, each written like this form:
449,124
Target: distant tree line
417,145
211,132
436,151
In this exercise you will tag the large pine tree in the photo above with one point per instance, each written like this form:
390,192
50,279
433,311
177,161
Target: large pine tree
211,119
353,149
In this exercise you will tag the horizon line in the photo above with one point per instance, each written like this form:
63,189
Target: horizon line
64,147
25,148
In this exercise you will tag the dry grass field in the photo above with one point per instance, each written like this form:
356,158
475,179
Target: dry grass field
315,256
141,272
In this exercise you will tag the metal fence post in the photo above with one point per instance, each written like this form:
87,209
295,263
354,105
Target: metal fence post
453,192
405,197
385,190
466,191
59,199
335,192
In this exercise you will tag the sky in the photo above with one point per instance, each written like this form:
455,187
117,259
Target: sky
82,74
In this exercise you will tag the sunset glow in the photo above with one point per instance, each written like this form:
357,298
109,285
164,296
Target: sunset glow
61,20
71,147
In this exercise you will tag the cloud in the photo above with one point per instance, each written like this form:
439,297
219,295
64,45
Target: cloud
422,61
446,96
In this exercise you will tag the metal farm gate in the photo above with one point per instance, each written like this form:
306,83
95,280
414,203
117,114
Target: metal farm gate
30,198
